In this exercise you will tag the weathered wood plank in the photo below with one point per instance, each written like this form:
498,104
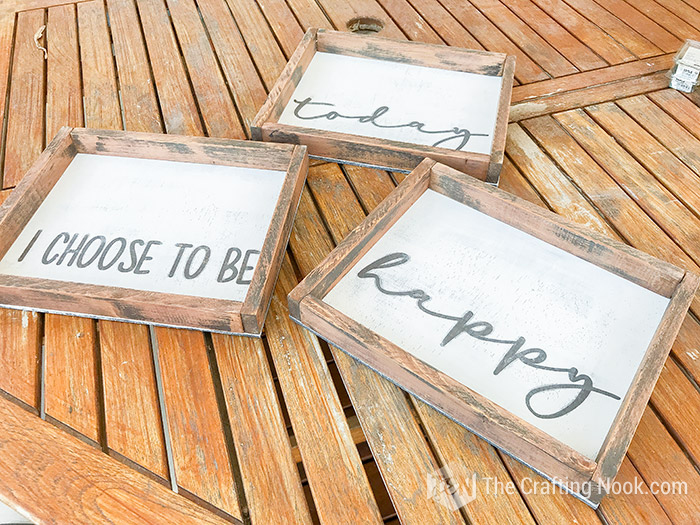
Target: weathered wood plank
524,36
586,97
549,504
687,348
133,425
667,131
526,69
677,402
239,69
668,19
410,22
281,19
470,461
99,83
270,478
451,31
202,463
136,87
266,54
586,31
647,150
637,182
21,336
550,180
214,101
317,416
7,29
309,14
589,79
64,101
638,507
637,43
563,41
177,104
644,25
25,111
55,478
609,198
680,108
659,459
72,377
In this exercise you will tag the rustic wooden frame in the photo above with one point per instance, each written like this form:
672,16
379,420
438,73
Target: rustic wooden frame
106,302
527,443
382,153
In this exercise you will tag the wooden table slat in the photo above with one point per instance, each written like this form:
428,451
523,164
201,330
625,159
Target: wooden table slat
659,459
203,467
138,97
567,44
68,481
25,112
636,42
551,60
64,101
71,381
320,427
100,94
680,27
654,199
643,24
215,103
588,32
177,104
676,176
526,69
270,477
671,134
258,36
134,429
239,69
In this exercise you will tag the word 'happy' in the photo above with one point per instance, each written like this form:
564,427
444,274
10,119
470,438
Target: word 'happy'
518,352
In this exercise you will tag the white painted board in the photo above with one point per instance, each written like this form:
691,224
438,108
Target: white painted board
155,225
523,293
396,101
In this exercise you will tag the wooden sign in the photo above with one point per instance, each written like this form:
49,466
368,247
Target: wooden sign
543,338
179,231
371,101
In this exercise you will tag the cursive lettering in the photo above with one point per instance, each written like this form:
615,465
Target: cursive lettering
482,330
457,135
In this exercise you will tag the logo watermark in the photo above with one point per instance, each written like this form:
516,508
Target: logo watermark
455,492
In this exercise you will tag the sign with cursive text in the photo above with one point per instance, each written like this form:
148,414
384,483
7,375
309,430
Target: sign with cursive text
546,335
536,334
371,101
396,101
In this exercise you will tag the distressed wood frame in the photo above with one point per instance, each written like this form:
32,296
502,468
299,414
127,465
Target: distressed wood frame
107,302
382,153
534,447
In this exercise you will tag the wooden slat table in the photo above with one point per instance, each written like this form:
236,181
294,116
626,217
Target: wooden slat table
111,422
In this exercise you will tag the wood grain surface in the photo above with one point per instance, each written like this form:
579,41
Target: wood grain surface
610,148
